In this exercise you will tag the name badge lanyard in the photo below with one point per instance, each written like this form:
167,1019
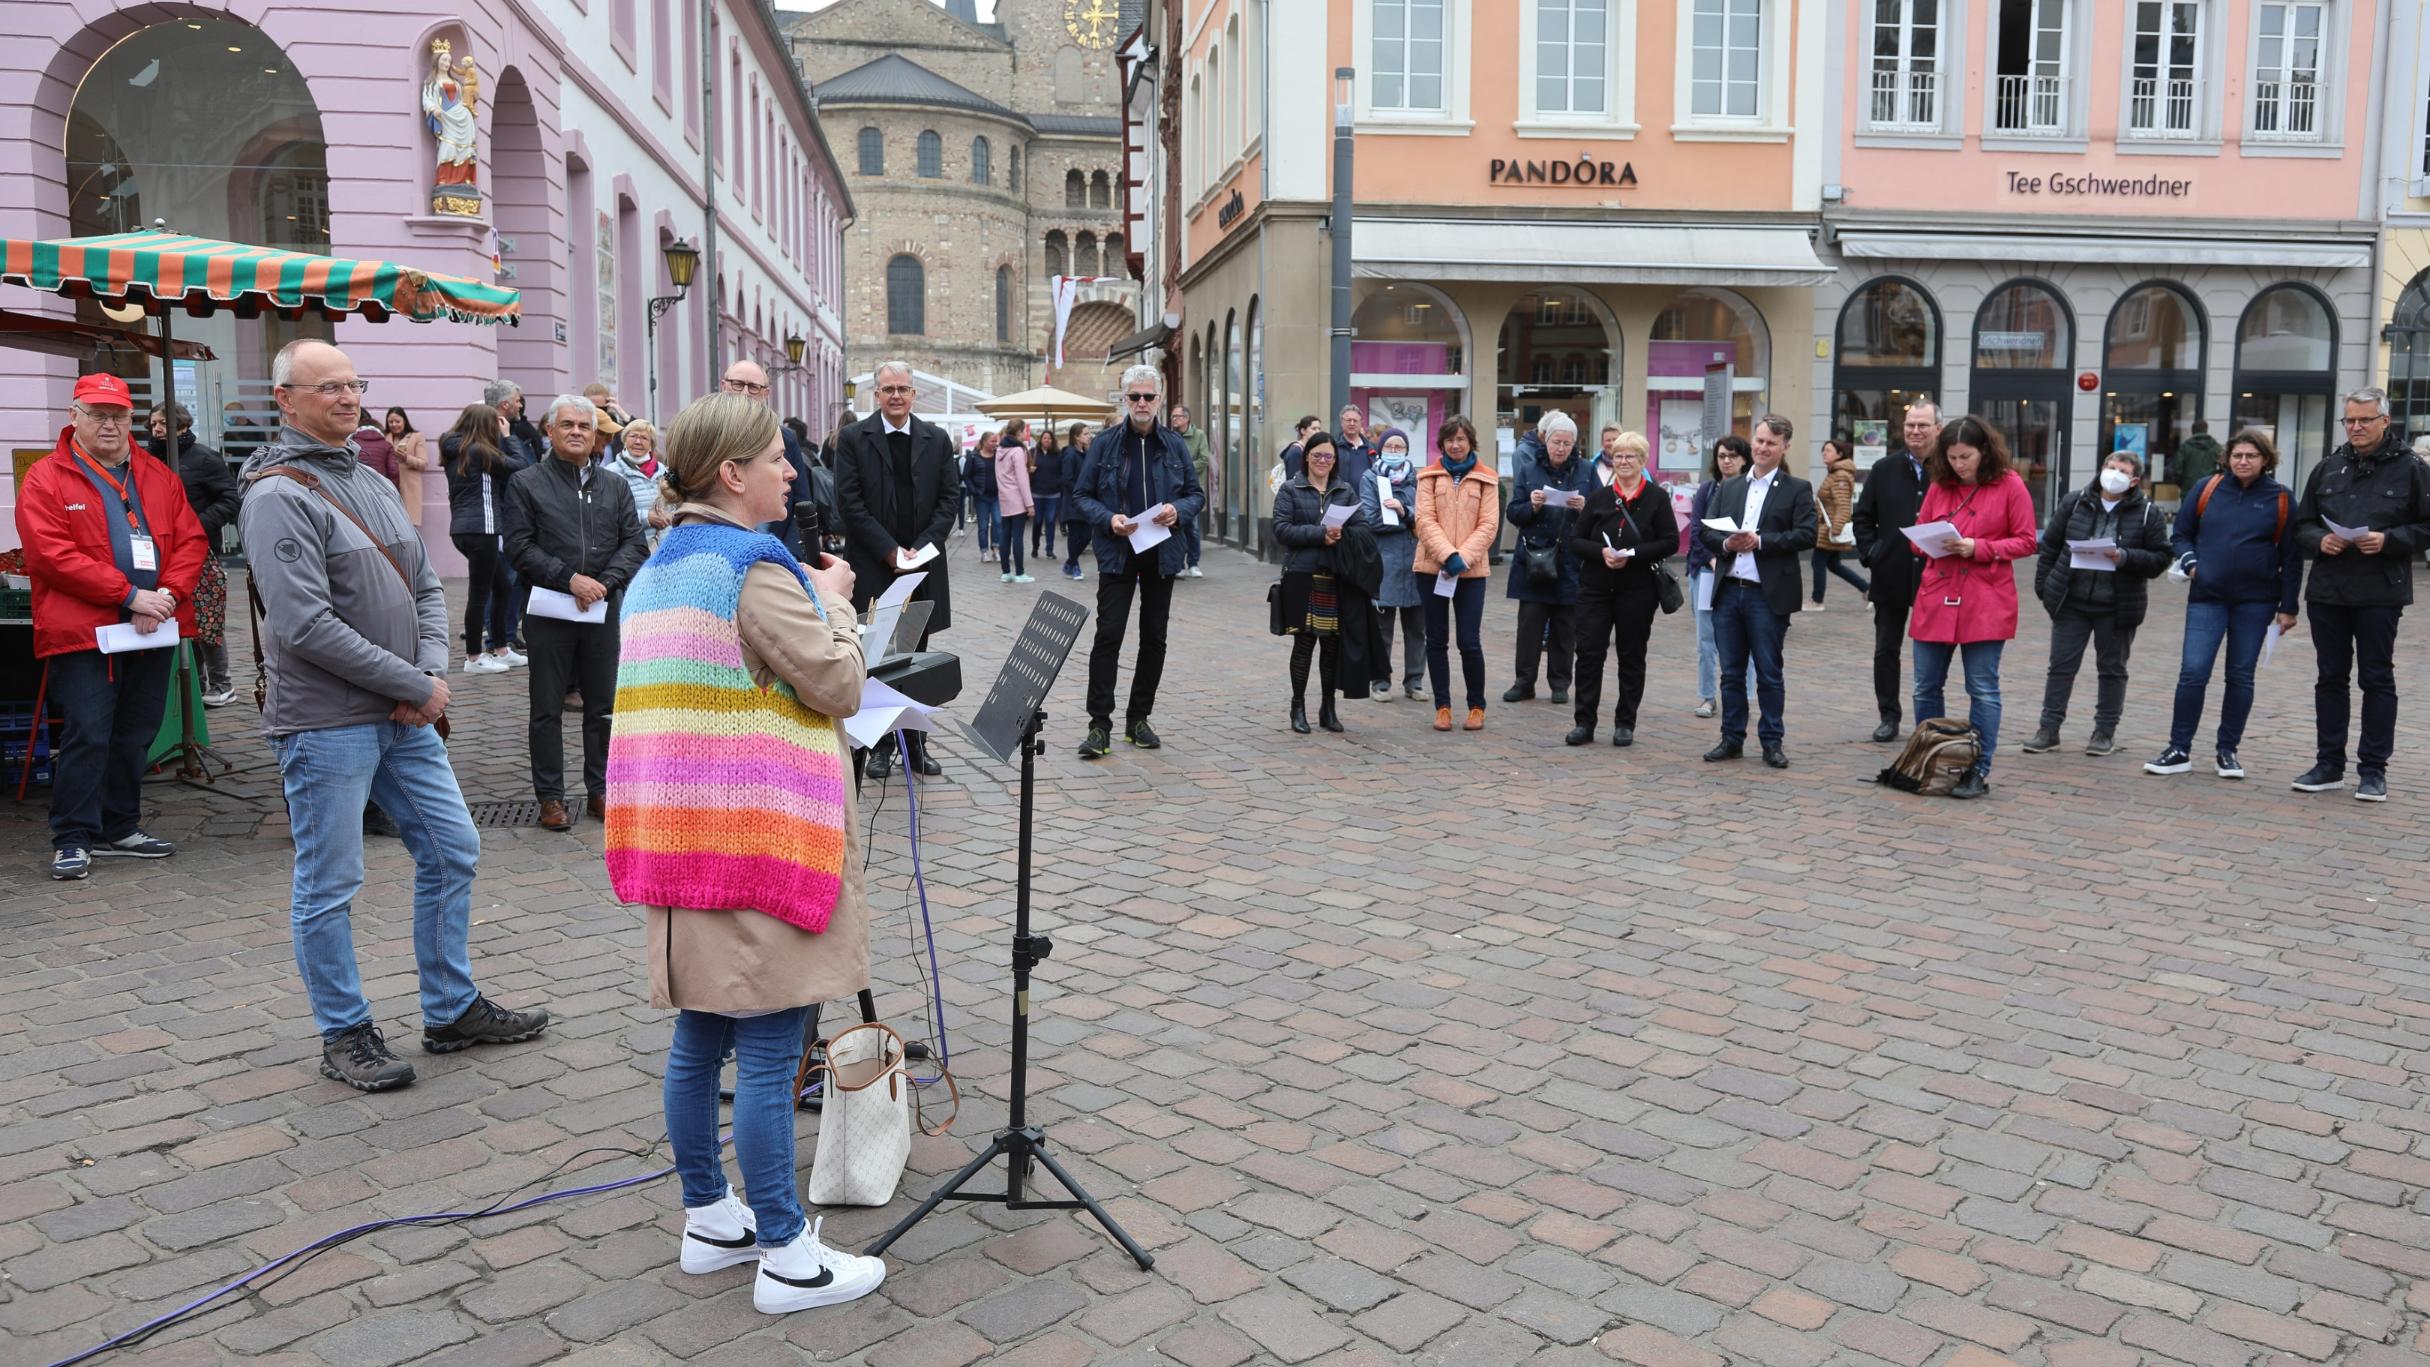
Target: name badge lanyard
140,548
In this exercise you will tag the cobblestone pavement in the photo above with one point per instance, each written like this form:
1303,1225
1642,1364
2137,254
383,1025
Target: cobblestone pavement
1395,1047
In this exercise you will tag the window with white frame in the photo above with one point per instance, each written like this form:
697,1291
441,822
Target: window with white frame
1407,64
2287,106
1726,59
1573,57
2161,96
2032,92
1905,85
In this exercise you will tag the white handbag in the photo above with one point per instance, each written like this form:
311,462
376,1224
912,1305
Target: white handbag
864,1128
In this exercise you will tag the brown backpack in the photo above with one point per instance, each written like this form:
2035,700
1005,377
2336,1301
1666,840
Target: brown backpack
2202,504
1938,754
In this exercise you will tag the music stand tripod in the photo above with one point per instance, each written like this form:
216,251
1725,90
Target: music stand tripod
1019,1142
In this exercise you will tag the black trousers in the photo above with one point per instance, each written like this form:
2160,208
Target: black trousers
1327,652
489,594
570,655
1889,647
1138,578
1622,624
2111,643
1547,628
2358,643
110,709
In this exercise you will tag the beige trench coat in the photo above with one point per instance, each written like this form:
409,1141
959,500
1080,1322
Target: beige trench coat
728,961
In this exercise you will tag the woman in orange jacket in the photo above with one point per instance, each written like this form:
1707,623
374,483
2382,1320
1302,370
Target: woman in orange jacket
1458,513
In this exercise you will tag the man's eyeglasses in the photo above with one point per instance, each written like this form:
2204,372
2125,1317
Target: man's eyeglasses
331,389
744,387
896,389
2364,422
1140,398
100,419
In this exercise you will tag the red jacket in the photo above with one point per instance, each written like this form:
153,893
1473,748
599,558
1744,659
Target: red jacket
1999,519
77,585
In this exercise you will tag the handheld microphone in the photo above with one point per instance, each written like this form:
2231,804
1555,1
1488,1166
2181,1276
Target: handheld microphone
813,534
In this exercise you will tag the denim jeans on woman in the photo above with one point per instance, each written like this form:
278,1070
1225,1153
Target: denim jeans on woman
767,1049
1708,656
1982,669
1042,521
1009,543
2242,627
1467,606
991,523
329,775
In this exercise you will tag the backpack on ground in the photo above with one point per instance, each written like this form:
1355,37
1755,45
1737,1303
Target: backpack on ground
1938,754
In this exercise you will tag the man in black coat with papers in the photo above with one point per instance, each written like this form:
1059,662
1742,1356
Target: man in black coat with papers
897,489
1757,586
1894,490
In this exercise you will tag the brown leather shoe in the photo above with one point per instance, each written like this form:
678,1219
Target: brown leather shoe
596,806
554,817
1476,719
1442,719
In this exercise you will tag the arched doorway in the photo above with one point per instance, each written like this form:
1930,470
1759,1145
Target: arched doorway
2024,342
1408,361
1556,350
2408,337
1887,356
519,201
1699,330
2152,375
2286,376
204,125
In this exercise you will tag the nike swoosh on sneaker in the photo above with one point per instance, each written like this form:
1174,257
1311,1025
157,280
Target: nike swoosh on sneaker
744,1240
825,1277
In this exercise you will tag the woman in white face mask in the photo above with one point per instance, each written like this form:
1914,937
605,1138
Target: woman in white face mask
2103,547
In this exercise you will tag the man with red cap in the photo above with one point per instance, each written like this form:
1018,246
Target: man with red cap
109,539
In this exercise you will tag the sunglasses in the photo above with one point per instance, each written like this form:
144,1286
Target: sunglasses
1140,398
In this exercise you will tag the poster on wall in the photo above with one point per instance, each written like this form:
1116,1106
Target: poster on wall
1506,446
1682,438
1720,388
1872,442
1404,411
607,293
2132,437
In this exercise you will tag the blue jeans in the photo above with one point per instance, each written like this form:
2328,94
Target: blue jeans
2242,627
1982,661
1190,538
1010,532
1750,639
991,524
1042,525
110,710
510,584
767,1050
1466,607
1826,563
1708,659
329,775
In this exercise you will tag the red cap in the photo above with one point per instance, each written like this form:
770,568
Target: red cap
104,389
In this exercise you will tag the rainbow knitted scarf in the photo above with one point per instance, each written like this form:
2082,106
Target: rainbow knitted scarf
722,795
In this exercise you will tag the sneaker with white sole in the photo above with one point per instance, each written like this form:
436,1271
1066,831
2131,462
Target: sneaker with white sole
719,1235
2320,778
1196,573
2171,761
514,657
220,696
71,863
2228,765
485,664
134,845
2373,787
806,1274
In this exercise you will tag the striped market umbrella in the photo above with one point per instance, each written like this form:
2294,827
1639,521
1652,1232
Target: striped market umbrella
164,270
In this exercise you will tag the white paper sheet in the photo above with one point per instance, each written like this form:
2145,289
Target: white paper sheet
1727,526
1446,584
1146,534
1935,539
1704,590
922,556
561,607
899,592
2086,555
885,612
1338,514
884,711
2269,644
120,637
1383,497
2349,533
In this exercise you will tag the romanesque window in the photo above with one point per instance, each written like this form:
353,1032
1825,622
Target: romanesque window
1012,168
1075,190
979,171
1057,258
932,154
1003,303
1084,256
906,296
1100,191
873,152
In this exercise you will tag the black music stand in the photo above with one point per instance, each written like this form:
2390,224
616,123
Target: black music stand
1008,722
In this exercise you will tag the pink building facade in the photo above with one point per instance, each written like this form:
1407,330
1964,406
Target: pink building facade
597,140
2100,224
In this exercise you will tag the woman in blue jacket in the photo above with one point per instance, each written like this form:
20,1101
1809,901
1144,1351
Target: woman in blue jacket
1396,545
2233,538
1544,502
1729,459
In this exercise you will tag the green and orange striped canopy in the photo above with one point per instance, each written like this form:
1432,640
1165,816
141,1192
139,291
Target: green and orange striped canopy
161,271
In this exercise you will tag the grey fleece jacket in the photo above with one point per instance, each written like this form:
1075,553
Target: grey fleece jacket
345,639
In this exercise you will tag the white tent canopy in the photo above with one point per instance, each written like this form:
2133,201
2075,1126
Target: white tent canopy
949,404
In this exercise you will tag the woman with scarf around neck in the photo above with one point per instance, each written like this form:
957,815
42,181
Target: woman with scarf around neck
1396,543
1544,504
636,459
1626,528
1458,514
1966,603
1310,594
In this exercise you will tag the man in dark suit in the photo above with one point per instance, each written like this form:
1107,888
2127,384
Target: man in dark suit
1757,586
750,379
1894,489
897,488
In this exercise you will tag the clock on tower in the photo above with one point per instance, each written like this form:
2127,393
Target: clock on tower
1091,22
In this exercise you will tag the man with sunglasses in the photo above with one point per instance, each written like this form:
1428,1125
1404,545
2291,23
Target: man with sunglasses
1137,470
898,488
109,539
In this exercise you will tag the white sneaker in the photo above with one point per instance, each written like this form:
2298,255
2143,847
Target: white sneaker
1004,578
806,1274
1195,573
220,697
718,1235
514,657
485,664
1025,579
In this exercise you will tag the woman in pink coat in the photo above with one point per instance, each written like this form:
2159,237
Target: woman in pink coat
1967,602
1014,502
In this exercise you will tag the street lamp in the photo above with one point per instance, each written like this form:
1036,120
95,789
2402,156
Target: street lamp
683,262
795,346
1345,130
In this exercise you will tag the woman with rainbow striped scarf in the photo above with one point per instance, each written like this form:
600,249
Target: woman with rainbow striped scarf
730,819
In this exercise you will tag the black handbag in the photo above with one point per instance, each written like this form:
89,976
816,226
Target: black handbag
1666,584
1543,564
1274,611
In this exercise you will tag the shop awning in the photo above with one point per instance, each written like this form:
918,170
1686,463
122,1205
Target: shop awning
1586,253
198,275
78,341
1153,335
2087,249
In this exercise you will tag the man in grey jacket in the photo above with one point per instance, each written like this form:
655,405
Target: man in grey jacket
354,634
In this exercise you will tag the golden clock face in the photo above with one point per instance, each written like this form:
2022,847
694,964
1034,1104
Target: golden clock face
1091,22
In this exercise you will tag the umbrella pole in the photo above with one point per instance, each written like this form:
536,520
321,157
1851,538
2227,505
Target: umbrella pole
193,759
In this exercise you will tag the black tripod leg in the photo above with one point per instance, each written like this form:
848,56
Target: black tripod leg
1131,1246
937,1198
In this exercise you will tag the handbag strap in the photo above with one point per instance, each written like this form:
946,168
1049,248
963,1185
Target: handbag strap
895,1069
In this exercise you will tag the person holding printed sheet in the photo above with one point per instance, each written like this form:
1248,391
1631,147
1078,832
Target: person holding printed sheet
1625,529
1389,497
2103,547
1309,515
